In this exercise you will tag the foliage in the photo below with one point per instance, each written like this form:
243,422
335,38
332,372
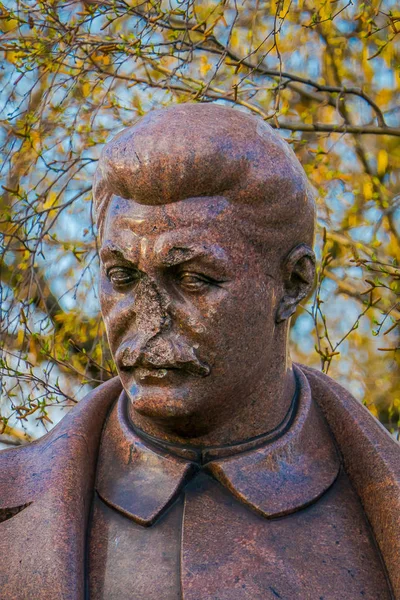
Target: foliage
325,73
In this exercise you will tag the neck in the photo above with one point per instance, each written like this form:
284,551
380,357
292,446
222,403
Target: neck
260,412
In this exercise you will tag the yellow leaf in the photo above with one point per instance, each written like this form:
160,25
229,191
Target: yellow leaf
12,56
368,190
50,200
86,89
372,409
383,160
9,24
368,70
20,336
204,66
353,221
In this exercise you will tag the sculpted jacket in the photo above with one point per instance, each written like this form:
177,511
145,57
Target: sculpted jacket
312,511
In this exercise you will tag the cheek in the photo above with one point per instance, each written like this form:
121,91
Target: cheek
106,295
240,323
116,310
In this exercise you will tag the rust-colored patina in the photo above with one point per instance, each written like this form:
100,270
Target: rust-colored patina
211,468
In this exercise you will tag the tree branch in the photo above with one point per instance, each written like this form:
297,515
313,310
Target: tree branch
332,128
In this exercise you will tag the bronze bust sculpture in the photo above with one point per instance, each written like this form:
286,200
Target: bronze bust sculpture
211,468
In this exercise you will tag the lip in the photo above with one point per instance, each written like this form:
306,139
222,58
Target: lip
156,374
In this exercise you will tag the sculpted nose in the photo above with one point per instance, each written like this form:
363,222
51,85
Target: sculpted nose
151,308
150,316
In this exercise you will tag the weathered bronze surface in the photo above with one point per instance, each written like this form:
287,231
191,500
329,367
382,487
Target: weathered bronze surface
211,468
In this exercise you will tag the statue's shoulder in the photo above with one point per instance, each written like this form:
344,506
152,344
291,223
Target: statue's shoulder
370,453
342,410
25,469
371,458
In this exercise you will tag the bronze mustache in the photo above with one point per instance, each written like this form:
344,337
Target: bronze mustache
160,353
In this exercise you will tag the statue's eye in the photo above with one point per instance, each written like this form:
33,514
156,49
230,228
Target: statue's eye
121,276
193,282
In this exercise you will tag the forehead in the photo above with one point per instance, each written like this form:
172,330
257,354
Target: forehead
190,220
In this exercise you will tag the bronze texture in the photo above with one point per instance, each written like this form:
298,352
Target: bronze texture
211,468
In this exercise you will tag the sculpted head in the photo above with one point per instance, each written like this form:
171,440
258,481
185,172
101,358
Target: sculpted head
206,222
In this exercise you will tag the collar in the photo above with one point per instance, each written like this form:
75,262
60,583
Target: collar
275,475
202,456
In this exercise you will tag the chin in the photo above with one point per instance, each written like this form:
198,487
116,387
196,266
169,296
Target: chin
161,403
176,410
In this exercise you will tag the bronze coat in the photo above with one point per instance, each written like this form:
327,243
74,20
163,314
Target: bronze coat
46,491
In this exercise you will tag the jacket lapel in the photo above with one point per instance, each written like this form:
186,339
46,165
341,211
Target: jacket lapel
372,460
45,496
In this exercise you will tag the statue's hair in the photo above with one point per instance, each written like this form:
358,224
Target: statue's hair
192,150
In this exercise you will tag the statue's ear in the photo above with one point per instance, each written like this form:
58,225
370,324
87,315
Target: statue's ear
298,278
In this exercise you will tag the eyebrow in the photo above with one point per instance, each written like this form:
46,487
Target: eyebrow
111,250
176,253
180,254
167,257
